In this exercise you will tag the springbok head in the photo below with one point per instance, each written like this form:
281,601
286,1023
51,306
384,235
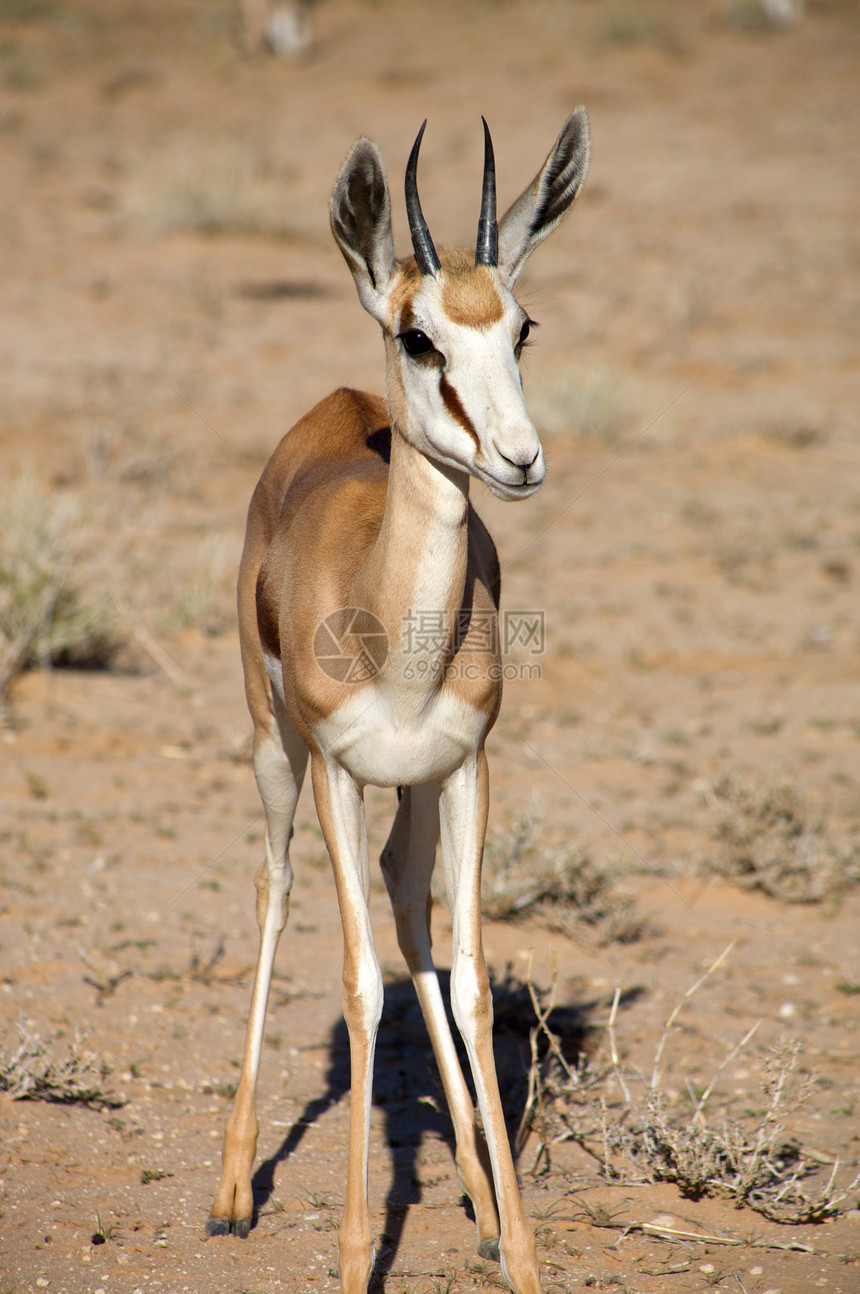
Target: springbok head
453,328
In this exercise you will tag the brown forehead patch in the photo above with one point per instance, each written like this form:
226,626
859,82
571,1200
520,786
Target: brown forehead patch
469,294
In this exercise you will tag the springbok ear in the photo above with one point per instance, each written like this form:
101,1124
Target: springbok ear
548,198
361,224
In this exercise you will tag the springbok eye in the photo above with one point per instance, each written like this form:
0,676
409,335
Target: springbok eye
524,333
416,342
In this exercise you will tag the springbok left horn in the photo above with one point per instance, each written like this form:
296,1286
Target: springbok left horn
422,244
487,248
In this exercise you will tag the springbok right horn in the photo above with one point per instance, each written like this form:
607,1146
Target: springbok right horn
422,244
487,249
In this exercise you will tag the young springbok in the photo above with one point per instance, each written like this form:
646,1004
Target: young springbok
360,523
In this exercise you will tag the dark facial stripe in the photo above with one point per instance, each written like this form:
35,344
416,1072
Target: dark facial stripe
452,403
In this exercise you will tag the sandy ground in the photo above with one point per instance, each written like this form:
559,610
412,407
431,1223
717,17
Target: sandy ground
173,301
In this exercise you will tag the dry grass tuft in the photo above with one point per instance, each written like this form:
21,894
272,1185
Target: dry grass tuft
751,1159
53,608
525,876
29,1072
768,840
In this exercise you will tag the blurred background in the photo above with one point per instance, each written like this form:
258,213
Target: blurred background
173,301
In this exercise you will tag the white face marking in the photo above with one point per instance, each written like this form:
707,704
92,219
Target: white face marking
466,399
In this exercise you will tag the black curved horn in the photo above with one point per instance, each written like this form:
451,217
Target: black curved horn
422,244
487,249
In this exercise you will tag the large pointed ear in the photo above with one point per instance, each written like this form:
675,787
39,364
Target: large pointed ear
361,224
548,198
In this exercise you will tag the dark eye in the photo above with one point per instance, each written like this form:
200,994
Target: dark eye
416,342
523,339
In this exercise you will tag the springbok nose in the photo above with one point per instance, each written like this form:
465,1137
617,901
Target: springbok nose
522,466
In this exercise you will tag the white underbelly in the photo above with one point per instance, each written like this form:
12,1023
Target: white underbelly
364,737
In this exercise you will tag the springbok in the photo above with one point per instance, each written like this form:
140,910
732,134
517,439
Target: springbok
360,523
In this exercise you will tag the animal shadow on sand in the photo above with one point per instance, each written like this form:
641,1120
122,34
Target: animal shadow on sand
405,1077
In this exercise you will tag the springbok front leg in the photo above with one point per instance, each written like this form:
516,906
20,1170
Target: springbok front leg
463,806
407,864
340,807
280,759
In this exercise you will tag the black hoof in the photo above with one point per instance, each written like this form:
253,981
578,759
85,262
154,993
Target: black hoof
490,1249
242,1228
217,1226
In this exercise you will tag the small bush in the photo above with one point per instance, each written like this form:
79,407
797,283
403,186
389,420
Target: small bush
751,1159
769,840
762,15
52,608
29,1072
564,889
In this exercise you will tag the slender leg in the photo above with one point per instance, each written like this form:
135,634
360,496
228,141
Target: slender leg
341,813
407,865
280,759
463,806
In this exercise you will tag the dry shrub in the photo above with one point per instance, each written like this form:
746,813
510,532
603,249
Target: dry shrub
628,25
53,607
770,841
525,876
762,15
597,403
756,1164
210,188
207,602
29,1072
752,1160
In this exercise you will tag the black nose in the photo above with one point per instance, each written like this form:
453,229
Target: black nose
524,467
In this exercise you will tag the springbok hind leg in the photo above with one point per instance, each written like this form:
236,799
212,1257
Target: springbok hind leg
407,865
280,759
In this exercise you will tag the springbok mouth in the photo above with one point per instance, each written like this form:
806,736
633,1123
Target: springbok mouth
511,489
